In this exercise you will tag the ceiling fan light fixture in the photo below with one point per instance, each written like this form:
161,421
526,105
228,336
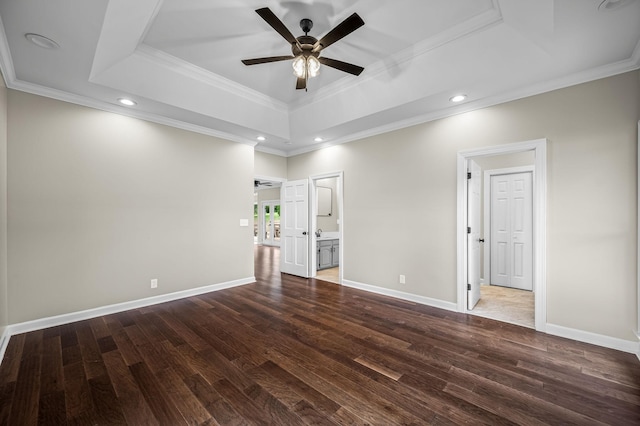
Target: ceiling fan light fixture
313,66
306,67
299,67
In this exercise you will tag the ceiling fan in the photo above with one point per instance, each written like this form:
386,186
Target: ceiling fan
306,49
257,183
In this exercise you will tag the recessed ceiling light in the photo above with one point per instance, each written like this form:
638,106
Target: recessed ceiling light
41,41
261,138
127,102
613,4
458,98
318,139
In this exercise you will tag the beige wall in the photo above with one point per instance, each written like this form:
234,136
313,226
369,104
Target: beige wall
400,200
504,161
99,204
269,165
4,308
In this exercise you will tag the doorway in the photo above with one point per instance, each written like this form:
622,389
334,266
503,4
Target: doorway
270,221
508,225
466,289
326,224
266,210
300,233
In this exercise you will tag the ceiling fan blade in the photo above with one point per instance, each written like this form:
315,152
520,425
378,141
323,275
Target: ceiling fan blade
257,61
301,83
276,24
343,29
342,66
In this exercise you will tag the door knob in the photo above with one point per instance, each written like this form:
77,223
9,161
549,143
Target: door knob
304,232
481,240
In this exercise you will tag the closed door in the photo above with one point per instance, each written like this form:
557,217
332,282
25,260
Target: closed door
512,231
294,258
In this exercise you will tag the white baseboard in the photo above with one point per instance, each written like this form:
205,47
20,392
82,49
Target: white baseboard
436,303
39,324
556,330
594,339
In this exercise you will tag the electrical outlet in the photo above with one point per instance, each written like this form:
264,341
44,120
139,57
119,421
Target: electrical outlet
154,283
402,279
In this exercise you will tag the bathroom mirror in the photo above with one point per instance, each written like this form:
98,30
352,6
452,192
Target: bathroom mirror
323,201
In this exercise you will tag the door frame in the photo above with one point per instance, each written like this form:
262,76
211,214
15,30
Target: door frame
539,147
313,223
487,212
264,178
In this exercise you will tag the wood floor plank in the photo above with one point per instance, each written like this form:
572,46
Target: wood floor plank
11,363
288,350
161,405
107,408
51,409
186,402
78,402
221,410
6,399
26,396
91,355
134,407
320,401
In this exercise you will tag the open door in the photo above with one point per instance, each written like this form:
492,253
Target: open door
294,236
473,234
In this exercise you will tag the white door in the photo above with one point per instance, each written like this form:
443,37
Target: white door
473,234
512,231
294,238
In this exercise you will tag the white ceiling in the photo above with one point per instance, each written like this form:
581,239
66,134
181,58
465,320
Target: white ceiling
180,60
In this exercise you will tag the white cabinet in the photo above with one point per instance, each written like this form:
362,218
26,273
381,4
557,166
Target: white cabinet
328,253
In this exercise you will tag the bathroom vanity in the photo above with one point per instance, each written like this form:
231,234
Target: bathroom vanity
328,252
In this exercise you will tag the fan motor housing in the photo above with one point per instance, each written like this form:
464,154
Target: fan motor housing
306,43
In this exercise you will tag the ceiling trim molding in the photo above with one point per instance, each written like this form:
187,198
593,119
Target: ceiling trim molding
631,64
123,29
202,75
60,95
268,150
6,62
476,23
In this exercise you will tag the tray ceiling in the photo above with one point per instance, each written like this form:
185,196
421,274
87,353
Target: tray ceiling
180,60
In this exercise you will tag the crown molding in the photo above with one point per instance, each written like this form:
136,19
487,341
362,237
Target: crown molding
116,109
6,62
482,21
631,64
268,150
202,75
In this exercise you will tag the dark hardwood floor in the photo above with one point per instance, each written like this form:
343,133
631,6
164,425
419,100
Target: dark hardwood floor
290,351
